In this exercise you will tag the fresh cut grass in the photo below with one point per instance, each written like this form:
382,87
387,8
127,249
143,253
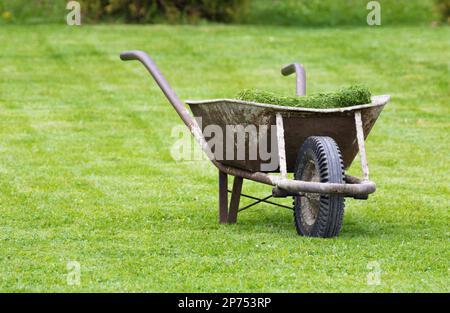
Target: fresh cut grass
345,97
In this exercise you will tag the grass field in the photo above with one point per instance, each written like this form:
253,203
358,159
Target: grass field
86,173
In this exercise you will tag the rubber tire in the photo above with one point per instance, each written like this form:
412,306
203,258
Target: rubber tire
325,154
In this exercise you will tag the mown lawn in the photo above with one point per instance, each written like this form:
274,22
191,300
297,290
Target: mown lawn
86,172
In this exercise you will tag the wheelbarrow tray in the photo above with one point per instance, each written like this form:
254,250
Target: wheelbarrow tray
299,124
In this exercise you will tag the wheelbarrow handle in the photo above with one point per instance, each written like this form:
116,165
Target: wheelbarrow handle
130,55
162,83
160,80
178,105
300,79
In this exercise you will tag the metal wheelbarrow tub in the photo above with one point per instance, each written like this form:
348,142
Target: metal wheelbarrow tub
316,144
299,124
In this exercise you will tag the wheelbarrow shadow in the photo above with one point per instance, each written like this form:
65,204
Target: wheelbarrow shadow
266,219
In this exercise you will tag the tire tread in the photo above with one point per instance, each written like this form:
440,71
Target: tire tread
329,163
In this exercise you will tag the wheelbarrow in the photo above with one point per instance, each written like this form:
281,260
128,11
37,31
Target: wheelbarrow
316,145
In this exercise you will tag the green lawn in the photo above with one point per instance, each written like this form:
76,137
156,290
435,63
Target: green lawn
86,172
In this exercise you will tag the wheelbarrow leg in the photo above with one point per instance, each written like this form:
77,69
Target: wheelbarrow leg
225,215
223,197
235,197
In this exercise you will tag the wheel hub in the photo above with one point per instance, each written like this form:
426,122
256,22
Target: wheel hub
311,201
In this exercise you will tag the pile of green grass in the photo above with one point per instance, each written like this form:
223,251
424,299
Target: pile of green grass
345,97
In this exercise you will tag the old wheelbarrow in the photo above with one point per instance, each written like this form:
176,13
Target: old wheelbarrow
316,145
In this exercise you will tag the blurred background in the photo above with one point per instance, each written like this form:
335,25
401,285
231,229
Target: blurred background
274,12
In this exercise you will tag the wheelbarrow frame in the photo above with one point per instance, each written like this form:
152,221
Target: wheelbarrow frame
282,185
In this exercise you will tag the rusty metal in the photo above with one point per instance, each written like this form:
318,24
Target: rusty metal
349,179
235,198
223,197
281,193
300,79
355,180
297,186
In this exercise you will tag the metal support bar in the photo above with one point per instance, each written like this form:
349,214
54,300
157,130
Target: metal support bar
299,186
361,145
281,146
235,198
281,193
349,179
254,203
300,80
259,200
223,197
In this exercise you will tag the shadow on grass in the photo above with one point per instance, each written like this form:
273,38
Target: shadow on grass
281,221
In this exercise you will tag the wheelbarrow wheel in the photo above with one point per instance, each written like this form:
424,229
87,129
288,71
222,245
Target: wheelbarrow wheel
319,215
